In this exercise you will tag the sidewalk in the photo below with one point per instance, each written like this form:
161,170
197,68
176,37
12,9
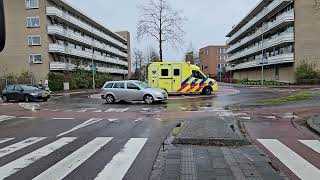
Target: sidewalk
314,123
211,149
71,92
288,86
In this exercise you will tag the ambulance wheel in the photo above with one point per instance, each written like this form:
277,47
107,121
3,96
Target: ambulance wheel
148,99
207,91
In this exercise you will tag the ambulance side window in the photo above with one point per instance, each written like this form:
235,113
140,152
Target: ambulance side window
197,74
164,72
176,72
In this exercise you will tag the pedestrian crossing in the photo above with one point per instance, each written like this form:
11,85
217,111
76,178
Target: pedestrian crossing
295,162
115,169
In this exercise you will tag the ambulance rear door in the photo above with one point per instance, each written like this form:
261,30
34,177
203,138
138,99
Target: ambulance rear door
154,75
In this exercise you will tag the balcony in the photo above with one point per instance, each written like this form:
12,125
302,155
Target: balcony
61,49
259,17
53,11
60,31
285,37
61,66
279,59
282,19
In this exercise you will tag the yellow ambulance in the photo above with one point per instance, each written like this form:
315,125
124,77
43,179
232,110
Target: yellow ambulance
180,78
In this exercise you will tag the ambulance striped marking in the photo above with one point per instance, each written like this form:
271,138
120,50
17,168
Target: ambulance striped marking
187,80
121,162
203,82
16,165
201,87
193,85
70,163
182,88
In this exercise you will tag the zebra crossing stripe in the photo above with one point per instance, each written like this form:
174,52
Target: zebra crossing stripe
87,123
299,166
5,118
121,162
20,145
313,144
68,164
30,158
117,110
5,140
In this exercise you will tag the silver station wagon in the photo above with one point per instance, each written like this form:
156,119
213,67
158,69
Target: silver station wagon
130,90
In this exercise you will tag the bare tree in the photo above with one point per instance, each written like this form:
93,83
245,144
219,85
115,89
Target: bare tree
316,5
161,22
152,55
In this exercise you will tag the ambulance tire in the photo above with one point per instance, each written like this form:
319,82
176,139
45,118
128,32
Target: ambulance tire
207,91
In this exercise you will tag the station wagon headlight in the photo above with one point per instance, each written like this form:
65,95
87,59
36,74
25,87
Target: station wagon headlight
159,94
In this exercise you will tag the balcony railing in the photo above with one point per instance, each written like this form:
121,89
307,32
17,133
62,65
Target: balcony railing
279,59
285,17
57,48
282,38
257,18
61,66
59,30
53,11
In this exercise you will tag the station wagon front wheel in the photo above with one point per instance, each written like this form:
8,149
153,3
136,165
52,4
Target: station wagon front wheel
148,99
110,99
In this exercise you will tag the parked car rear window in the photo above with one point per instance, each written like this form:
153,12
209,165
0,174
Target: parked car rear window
119,85
109,85
10,88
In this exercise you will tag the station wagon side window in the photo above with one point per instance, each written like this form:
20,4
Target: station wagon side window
132,86
109,85
17,88
164,72
119,85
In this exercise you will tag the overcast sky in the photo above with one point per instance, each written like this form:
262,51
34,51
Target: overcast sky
208,20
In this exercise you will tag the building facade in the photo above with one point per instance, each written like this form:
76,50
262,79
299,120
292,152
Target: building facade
51,35
212,58
273,39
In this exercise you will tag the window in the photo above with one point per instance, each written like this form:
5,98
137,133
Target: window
33,22
197,74
132,86
176,72
35,58
119,85
164,72
32,4
18,88
207,51
109,85
10,88
34,40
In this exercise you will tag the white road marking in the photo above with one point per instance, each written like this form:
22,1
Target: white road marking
68,110
87,123
146,109
19,145
30,106
139,119
55,110
121,162
246,118
112,120
5,140
64,167
89,108
98,111
313,144
82,110
117,110
5,118
27,117
240,114
270,117
289,117
299,166
32,157
63,118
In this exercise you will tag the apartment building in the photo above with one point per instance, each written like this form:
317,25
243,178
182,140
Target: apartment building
212,58
273,39
51,35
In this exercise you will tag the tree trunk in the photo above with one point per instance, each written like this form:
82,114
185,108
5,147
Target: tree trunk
160,50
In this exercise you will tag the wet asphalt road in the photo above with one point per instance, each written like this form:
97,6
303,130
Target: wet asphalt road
137,131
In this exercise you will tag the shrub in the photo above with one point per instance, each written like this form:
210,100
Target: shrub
306,71
56,81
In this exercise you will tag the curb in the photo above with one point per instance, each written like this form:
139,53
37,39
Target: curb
72,93
284,87
211,141
312,125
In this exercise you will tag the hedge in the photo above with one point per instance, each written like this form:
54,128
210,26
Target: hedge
78,79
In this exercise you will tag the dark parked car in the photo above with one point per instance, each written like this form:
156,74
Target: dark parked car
27,93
